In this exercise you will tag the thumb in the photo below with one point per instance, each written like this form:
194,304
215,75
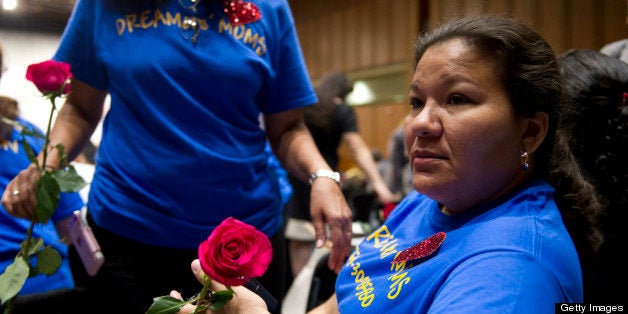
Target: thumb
197,270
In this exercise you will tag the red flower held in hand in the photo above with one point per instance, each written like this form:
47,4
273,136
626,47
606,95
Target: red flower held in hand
235,252
50,77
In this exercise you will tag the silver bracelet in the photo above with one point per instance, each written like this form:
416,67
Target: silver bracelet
324,173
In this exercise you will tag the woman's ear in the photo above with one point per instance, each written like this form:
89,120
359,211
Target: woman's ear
534,131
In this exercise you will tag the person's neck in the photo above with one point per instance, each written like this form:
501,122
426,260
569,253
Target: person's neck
519,180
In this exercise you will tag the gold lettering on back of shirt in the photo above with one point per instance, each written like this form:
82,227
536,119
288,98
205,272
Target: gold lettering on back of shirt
7,145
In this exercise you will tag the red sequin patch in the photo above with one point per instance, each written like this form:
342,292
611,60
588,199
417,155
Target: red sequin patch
240,12
422,249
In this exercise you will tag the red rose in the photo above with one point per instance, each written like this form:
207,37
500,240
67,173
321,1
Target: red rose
50,76
235,252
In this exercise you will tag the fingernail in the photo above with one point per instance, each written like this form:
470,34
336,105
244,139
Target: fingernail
319,243
196,265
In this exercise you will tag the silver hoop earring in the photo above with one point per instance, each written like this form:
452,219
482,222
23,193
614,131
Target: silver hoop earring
524,161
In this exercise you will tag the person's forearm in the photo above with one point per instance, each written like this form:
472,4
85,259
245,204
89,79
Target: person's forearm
69,131
76,121
294,146
364,158
368,165
305,158
328,307
298,153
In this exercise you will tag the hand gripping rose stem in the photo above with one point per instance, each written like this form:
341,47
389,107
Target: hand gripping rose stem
257,288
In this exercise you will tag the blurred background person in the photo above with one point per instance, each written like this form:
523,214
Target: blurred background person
399,175
617,49
596,86
42,291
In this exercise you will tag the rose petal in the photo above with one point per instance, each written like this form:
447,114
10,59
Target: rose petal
50,76
235,252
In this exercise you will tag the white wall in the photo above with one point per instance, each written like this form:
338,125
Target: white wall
20,49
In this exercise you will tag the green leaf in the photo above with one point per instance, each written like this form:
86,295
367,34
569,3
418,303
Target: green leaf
35,245
29,151
69,180
13,279
166,305
48,261
48,194
63,158
27,131
218,299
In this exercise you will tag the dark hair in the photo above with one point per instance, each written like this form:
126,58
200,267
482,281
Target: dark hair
596,85
526,64
332,86
8,107
1,64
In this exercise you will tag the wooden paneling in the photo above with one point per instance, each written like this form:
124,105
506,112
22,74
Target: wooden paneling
525,10
309,45
376,124
474,6
499,6
405,23
614,21
354,35
382,32
552,23
351,31
378,121
336,55
325,44
584,24
366,47
360,35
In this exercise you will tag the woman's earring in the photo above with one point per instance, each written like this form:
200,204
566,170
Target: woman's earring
524,161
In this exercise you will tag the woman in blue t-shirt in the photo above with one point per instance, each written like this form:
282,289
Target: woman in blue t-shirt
14,158
182,146
501,210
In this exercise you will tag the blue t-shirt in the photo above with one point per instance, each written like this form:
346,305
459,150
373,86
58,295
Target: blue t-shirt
13,159
182,148
513,255
281,173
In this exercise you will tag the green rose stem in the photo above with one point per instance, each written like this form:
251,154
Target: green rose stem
24,255
201,301
29,232
25,249
216,300
47,137
205,299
